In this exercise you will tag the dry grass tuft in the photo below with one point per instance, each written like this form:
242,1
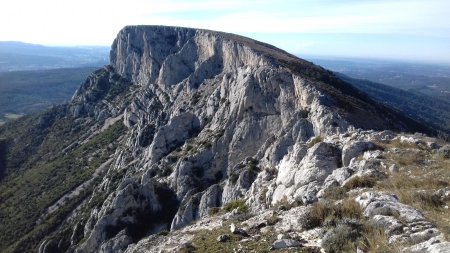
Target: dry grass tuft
375,241
422,173
324,211
360,182
335,193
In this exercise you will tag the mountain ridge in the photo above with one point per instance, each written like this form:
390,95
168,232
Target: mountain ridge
184,123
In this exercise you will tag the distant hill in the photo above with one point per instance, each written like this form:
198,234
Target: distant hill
16,56
431,80
426,109
22,92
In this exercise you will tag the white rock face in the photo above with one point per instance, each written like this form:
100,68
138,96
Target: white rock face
403,223
353,149
294,219
301,181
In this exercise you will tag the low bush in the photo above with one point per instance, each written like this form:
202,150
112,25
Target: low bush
342,238
239,204
325,212
315,140
319,211
163,233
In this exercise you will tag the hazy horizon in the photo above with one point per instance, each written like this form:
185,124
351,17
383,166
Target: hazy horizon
412,31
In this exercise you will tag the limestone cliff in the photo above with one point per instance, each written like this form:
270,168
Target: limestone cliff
214,118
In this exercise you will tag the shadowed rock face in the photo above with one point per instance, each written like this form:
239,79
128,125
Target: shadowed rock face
207,116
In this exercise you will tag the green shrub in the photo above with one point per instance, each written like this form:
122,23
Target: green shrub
237,204
163,233
342,238
315,140
234,178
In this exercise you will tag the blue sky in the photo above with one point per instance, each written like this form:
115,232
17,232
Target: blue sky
414,30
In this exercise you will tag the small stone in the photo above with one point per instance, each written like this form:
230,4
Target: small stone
238,231
433,145
261,225
444,151
223,238
281,236
285,243
393,168
265,230
358,250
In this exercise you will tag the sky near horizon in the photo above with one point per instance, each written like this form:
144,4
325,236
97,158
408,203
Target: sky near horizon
413,30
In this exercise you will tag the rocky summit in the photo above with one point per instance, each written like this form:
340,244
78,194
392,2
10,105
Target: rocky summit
201,141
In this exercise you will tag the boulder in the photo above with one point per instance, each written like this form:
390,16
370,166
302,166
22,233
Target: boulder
223,238
354,149
444,151
238,231
285,243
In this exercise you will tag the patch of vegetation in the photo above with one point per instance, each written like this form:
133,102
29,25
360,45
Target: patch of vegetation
41,170
196,96
274,219
187,248
324,211
234,178
347,228
335,193
432,111
164,233
422,173
205,241
350,234
314,141
342,238
23,92
360,182
253,166
239,205
284,204
427,199
219,134
213,211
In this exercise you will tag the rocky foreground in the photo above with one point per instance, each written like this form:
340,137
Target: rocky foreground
201,141
354,207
